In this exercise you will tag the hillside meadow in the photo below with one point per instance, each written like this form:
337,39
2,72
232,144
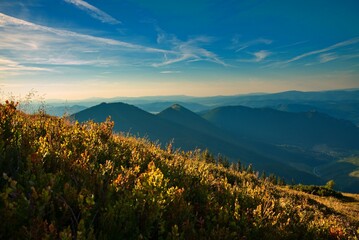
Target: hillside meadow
65,180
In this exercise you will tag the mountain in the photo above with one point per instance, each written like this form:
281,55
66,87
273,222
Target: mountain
348,110
130,119
64,110
296,146
180,115
342,104
309,142
332,95
281,97
156,107
307,130
189,131
183,116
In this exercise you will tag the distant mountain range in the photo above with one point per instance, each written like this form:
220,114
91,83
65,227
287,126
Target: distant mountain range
292,145
304,129
157,107
341,104
64,110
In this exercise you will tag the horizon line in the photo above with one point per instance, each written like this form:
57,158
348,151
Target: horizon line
94,98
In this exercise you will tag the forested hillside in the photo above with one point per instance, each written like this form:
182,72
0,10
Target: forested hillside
65,180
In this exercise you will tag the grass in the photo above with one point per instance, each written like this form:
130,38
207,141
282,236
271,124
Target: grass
348,205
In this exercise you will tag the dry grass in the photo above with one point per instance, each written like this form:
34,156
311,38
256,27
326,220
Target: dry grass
348,206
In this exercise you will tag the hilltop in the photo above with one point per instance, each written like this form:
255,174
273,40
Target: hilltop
63,179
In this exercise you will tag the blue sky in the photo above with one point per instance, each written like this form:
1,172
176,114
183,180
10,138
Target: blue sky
74,49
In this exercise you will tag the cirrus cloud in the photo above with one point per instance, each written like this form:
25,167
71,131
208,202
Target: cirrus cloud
93,11
186,51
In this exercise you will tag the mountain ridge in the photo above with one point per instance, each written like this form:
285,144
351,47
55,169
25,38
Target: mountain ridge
188,138
267,124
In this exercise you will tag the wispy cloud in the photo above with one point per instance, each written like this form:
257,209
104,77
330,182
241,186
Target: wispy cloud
327,57
291,45
239,45
258,56
335,52
327,49
93,11
170,72
11,21
186,51
68,61
11,66
261,55
33,44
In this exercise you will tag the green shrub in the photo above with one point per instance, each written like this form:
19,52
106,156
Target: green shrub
323,191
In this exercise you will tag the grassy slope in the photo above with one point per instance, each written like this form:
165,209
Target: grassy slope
348,205
68,180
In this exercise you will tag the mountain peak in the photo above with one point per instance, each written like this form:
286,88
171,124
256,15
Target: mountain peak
177,107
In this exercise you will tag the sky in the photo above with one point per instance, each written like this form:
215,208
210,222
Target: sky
76,49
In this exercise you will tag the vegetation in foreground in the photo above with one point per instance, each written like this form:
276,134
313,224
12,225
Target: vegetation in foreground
324,191
64,180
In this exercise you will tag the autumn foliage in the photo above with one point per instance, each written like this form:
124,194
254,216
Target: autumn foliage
65,180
